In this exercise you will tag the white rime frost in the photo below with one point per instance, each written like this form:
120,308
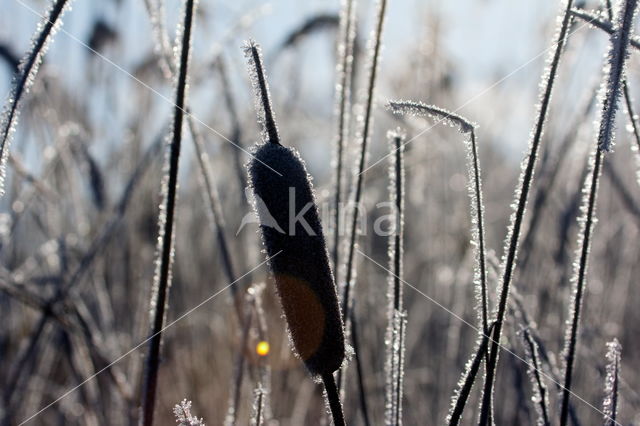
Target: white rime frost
474,189
610,404
394,340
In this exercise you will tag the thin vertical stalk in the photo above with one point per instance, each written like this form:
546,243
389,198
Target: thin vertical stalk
627,96
572,335
343,96
334,399
537,382
612,383
474,189
159,300
522,196
611,89
467,381
395,315
364,136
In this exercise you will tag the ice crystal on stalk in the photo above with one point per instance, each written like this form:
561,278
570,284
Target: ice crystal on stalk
474,188
610,405
616,67
183,415
394,368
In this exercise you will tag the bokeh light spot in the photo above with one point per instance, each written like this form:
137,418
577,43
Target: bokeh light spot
262,348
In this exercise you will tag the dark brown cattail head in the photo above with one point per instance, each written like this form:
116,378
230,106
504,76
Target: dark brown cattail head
293,238
299,261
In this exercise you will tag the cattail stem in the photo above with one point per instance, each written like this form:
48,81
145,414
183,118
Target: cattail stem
625,89
402,331
612,383
160,296
611,89
343,89
522,195
469,379
334,399
362,160
572,336
362,395
540,390
396,320
211,197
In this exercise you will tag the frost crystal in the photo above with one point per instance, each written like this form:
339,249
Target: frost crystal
474,188
394,368
616,67
537,382
257,417
183,415
264,111
610,404
394,340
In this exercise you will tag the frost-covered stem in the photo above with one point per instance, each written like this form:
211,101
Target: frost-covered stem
261,91
258,406
631,113
162,47
364,142
362,396
587,220
617,60
365,135
155,10
160,293
522,195
333,399
396,249
236,385
539,388
479,207
475,190
211,197
394,341
402,331
594,20
610,404
343,95
625,90
23,81
468,379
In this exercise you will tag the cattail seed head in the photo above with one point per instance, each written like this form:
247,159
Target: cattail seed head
299,258
293,238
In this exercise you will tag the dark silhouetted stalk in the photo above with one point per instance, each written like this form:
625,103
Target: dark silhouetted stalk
522,196
162,279
466,382
537,382
364,135
611,89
